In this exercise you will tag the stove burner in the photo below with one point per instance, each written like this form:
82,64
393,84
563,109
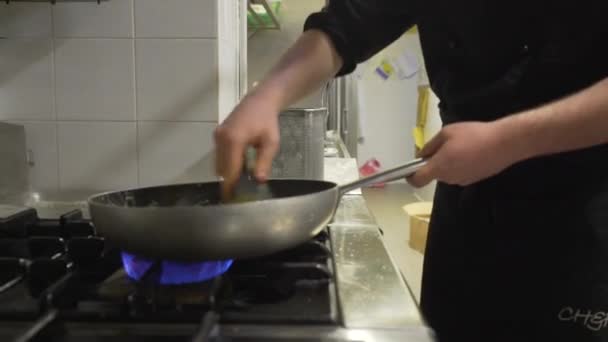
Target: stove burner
59,280
173,273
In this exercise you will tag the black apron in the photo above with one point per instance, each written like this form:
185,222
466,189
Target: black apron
522,256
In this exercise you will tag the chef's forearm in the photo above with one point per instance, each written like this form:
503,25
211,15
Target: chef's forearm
305,67
575,122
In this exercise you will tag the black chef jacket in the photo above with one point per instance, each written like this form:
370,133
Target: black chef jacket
521,256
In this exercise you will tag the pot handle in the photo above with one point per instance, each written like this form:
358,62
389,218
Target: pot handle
393,174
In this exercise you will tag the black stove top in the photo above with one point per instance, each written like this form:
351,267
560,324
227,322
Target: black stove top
59,281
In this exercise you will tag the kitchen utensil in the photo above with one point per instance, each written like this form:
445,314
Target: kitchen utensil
247,188
188,222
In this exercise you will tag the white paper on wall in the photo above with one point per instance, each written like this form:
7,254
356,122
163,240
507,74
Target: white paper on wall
407,65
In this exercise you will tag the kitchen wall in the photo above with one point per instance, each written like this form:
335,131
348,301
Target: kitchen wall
387,108
266,47
112,95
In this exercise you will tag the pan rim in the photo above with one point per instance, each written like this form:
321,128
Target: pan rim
95,198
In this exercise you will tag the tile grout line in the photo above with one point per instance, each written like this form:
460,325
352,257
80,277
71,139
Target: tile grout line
55,111
135,97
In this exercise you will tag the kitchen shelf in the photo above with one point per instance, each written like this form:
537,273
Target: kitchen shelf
263,15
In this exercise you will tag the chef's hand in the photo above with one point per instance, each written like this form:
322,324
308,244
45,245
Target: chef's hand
305,67
254,122
465,153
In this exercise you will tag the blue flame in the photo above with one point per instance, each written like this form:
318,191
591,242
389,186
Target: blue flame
175,273
135,267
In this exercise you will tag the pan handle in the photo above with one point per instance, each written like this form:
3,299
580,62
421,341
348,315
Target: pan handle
394,174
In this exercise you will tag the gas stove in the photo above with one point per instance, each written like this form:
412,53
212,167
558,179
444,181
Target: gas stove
60,281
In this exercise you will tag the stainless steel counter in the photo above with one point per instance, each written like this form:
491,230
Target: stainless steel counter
327,334
372,293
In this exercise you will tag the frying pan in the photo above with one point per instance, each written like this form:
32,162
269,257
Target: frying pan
188,222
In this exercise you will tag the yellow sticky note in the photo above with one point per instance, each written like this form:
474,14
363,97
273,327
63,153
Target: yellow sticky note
419,137
423,105
386,69
387,66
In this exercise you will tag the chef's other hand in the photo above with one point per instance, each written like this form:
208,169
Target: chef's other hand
254,122
465,153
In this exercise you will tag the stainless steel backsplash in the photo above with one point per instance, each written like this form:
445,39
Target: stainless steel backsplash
13,163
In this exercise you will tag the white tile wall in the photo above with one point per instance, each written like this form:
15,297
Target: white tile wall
175,152
97,156
95,79
26,79
177,79
25,20
108,19
175,18
113,94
